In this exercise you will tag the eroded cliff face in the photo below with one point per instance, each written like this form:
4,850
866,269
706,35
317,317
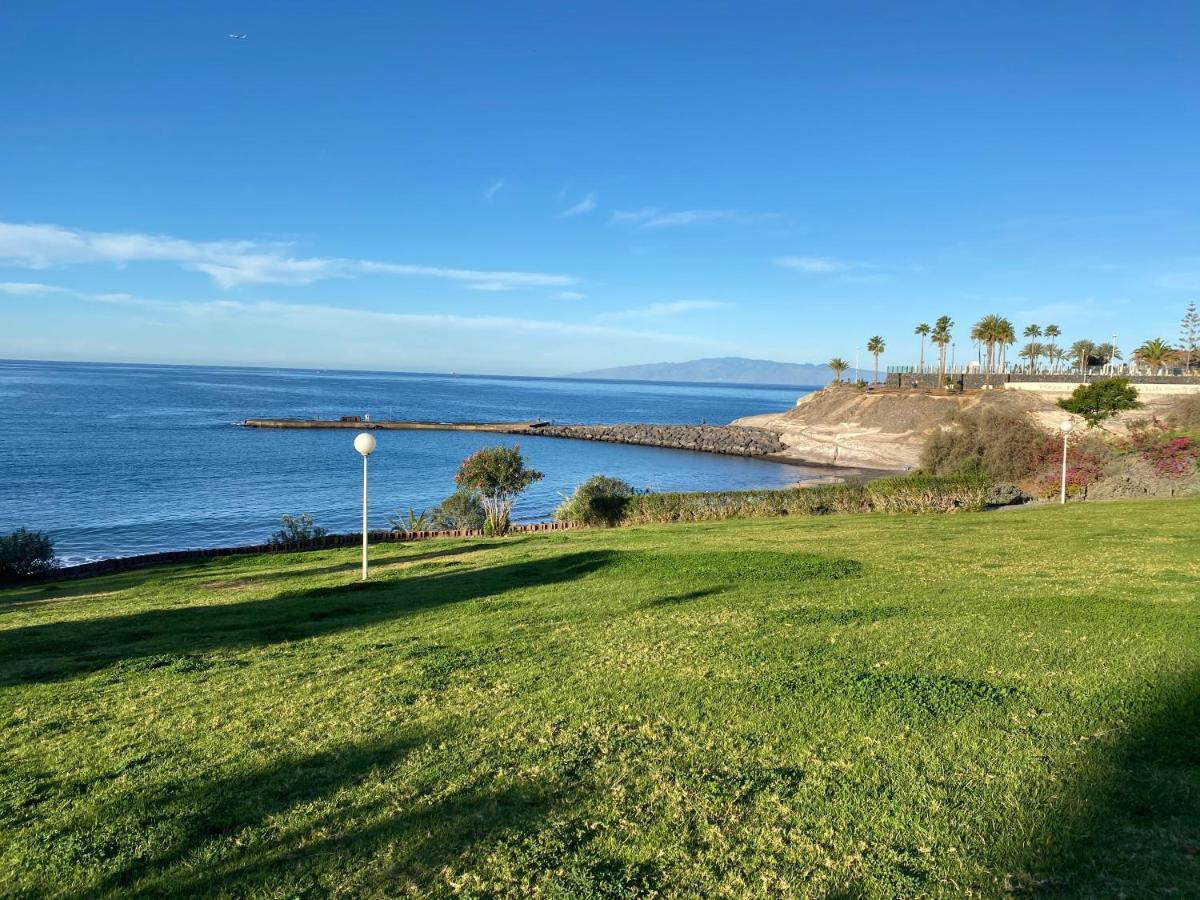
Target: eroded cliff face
845,426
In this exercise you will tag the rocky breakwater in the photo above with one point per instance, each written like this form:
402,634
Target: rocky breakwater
734,440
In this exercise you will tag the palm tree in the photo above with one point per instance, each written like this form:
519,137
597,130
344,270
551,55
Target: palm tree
876,346
941,338
1082,352
1033,332
1055,355
1155,353
1032,352
1005,335
1052,332
987,331
922,330
838,365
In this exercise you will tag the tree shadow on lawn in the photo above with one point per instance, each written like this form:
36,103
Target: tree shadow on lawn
57,650
1132,826
303,826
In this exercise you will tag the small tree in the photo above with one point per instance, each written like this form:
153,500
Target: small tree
462,509
297,530
25,554
1101,399
1189,335
838,365
499,474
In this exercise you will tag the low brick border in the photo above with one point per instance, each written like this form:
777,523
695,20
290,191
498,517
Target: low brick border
149,560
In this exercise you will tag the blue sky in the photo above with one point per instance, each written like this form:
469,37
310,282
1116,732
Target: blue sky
546,187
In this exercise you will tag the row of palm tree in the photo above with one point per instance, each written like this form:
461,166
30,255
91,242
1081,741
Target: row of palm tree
995,334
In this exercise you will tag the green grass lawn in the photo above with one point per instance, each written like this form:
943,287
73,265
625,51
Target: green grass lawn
835,706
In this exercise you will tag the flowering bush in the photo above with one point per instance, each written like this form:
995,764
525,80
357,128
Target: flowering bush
1171,455
1086,459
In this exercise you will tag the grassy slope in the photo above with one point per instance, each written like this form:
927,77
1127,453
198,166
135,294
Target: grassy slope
848,706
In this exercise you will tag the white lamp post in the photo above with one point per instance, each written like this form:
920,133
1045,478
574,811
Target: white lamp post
1065,427
364,443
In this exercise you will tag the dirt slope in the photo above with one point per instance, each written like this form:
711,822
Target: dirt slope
843,425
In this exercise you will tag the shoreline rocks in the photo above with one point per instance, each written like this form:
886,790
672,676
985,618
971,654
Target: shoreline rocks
732,440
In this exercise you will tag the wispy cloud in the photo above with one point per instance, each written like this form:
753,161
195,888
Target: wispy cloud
815,265
659,310
495,188
586,205
1177,282
568,295
653,217
331,316
232,262
28,288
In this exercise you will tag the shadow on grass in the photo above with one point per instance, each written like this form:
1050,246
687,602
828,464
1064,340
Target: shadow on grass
305,825
1131,826
62,649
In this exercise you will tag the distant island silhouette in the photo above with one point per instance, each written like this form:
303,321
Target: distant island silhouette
726,369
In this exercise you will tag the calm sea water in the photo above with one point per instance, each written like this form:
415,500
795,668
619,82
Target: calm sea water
122,459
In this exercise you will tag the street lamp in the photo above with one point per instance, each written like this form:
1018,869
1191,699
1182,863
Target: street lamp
1065,427
364,443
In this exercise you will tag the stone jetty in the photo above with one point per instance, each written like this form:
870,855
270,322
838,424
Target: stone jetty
729,439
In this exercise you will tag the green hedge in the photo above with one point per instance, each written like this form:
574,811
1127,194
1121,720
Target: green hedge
900,494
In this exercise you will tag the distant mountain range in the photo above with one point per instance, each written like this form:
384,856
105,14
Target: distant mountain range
727,369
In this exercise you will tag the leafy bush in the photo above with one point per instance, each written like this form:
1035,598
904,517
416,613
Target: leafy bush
499,474
1101,399
25,554
600,500
297,530
461,510
1002,444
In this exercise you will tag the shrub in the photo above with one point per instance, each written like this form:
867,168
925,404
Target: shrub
461,510
411,522
1171,455
499,474
1088,456
600,500
1101,399
297,530
25,554
1001,444
921,492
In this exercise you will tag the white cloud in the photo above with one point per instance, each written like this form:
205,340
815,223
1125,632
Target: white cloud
658,310
228,263
815,265
495,188
568,295
653,217
586,205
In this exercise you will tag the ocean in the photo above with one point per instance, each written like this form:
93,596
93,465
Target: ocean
114,460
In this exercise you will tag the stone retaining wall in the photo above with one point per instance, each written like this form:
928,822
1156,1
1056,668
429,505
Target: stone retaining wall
734,440
148,560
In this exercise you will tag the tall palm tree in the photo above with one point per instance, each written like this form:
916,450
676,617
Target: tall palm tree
1155,353
1055,355
922,330
941,338
876,346
1032,332
1052,332
988,331
1034,351
1081,352
838,365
